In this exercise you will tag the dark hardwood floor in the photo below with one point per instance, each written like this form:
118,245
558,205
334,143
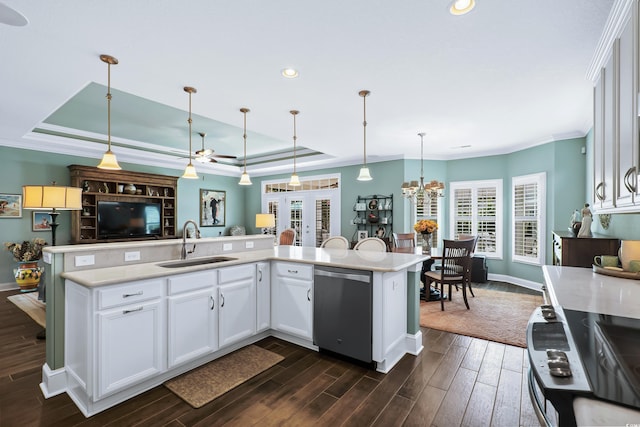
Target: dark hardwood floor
456,380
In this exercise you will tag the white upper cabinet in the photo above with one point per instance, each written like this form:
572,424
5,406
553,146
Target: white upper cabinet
615,126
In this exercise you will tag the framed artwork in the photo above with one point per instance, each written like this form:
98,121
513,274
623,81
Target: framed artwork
41,221
362,234
212,208
10,205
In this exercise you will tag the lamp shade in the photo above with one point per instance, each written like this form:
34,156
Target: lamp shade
244,179
265,220
109,162
51,197
294,181
190,172
364,174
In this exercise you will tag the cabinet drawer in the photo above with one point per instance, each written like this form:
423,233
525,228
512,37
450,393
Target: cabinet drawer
143,290
233,274
298,271
191,281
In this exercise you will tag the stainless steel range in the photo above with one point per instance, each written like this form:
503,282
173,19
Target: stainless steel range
579,353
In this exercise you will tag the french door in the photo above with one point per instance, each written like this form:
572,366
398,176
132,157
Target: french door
314,215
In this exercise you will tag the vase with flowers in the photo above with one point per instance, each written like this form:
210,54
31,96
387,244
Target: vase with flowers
27,254
426,227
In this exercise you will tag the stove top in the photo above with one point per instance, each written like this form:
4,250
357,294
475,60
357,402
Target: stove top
609,348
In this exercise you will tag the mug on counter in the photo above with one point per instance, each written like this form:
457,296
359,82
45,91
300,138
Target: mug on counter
634,265
605,260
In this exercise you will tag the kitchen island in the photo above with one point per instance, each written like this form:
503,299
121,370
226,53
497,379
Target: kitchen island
597,326
141,312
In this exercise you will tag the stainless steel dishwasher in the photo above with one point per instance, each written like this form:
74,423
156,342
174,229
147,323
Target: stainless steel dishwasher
342,311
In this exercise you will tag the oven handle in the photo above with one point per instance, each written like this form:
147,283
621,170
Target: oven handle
537,405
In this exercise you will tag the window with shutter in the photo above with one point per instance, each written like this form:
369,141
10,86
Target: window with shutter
475,209
528,193
429,210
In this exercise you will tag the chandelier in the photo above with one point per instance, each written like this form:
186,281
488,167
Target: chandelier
419,191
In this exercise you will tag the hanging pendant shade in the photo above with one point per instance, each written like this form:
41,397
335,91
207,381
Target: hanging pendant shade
364,175
109,161
294,181
244,178
190,170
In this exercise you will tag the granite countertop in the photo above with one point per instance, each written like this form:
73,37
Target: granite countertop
582,289
344,258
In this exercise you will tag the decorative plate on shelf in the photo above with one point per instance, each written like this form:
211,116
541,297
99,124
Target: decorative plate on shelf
373,204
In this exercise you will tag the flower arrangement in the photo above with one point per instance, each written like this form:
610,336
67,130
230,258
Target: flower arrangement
26,251
425,226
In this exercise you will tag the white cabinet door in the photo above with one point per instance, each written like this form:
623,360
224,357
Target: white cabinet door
606,191
130,345
237,300
627,168
193,325
263,290
292,308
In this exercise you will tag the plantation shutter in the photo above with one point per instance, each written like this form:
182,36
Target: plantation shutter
527,200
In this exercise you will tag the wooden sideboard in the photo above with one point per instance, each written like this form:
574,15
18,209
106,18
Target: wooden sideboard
100,185
572,251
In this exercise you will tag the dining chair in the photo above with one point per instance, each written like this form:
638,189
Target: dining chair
456,268
475,239
287,237
371,244
335,242
404,242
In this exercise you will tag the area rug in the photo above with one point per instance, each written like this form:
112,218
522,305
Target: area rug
201,385
29,303
494,315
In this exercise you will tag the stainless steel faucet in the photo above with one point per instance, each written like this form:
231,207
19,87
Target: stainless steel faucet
184,253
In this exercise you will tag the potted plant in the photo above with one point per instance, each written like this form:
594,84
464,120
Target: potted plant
27,254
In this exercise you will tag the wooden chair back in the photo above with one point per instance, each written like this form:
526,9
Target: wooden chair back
404,240
287,237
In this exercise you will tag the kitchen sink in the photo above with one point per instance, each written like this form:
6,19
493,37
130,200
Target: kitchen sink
195,261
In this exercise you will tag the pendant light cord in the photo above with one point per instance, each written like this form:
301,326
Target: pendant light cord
364,127
109,106
244,137
189,121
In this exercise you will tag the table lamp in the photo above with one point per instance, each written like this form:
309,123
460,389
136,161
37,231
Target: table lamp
52,197
265,221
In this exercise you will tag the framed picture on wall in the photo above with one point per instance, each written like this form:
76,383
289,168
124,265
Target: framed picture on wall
212,208
10,205
362,234
41,221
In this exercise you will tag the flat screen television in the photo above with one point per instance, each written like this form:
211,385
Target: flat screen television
117,220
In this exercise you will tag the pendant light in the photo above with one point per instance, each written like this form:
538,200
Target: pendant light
295,181
190,170
244,178
109,160
364,170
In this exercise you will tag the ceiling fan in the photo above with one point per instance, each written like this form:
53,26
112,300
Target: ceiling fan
206,155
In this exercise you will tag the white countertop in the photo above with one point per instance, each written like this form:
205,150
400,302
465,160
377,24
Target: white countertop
582,289
344,258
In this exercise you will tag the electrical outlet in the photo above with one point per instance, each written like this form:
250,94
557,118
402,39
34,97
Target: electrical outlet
132,256
248,245
83,260
227,246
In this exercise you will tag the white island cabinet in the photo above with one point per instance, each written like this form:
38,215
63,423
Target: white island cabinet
263,293
237,300
291,302
192,307
123,331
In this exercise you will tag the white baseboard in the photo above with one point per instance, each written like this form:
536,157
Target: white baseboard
53,382
516,281
414,343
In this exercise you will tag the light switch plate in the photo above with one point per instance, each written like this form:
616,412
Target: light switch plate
132,256
227,246
82,260
248,245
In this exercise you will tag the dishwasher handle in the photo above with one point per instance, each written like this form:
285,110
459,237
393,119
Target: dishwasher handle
337,275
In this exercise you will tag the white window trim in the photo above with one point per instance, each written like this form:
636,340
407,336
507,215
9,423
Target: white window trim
474,186
541,180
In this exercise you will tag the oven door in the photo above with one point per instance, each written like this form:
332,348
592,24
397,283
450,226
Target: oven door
547,385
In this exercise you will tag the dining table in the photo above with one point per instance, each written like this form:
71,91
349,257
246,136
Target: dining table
435,254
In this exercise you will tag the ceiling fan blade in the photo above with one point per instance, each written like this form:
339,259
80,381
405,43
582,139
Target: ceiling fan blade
204,152
212,160
223,156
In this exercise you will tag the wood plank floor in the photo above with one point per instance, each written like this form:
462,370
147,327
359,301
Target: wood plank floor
455,381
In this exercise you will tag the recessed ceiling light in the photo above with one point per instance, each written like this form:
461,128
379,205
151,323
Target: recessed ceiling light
460,7
290,73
